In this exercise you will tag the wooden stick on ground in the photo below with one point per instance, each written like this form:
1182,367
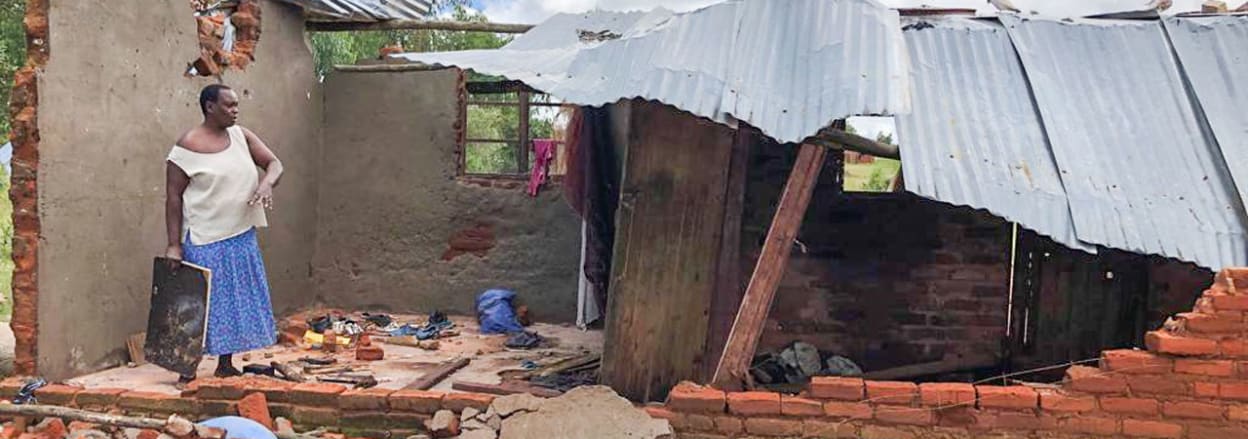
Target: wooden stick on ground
435,376
171,425
505,388
743,339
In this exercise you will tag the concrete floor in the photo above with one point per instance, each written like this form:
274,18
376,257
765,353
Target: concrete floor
402,364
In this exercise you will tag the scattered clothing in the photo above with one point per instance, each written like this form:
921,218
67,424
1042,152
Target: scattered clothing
380,320
564,382
543,155
240,314
523,340
437,323
26,395
495,313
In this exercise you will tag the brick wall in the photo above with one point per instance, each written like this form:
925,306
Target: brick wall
886,279
1192,382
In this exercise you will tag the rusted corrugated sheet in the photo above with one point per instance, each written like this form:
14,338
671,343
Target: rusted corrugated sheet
787,67
1139,171
974,137
1214,53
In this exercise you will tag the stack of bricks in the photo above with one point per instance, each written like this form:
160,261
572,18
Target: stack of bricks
363,413
1192,382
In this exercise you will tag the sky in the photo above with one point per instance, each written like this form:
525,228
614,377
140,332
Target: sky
535,11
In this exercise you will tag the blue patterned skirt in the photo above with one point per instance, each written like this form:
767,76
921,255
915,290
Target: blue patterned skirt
240,315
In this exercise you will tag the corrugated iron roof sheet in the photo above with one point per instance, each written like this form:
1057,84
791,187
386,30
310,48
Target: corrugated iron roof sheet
1140,172
1214,54
364,10
787,67
974,137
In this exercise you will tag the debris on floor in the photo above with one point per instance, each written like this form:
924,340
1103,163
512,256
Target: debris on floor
798,362
584,412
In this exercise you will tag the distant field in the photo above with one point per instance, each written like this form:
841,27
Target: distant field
858,177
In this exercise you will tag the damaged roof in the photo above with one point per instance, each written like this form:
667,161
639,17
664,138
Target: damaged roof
364,10
1092,132
786,67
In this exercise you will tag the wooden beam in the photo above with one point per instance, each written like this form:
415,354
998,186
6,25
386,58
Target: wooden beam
840,139
728,289
734,363
439,373
390,68
466,26
505,388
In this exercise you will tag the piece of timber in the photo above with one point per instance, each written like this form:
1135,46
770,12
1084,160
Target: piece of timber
505,388
439,373
734,363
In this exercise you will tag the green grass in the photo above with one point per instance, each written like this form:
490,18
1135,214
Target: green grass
871,177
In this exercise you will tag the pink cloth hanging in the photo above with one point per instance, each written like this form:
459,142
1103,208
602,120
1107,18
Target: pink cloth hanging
543,154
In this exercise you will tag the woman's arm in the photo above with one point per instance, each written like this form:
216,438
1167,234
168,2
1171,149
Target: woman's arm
267,160
175,185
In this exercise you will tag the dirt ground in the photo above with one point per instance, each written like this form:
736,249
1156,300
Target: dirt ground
402,364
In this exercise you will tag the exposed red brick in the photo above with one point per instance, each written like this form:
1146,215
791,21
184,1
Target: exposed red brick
219,388
365,399
316,394
1090,425
851,410
1132,361
892,392
905,415
1193,410
51,428
1205,390
256,407
689,397
728,425
1233,348
477,240
1158,385
798,406
828,429
1092,380
1238,413
417,401
698,422
218,407
1167,343
148,434
155,402
964,416
754,403
1010,397
1153,429
457,402
1234,279
97,397
1217,368
1215,431
1234,391
845,389
1057,402
658,412
881,432
773,426
1220,323
1129,406
947,394
370,353
1227,302
57,394
1023,420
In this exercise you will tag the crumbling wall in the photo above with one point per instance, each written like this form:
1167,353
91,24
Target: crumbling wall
399,231
112,99
883,279
1191,383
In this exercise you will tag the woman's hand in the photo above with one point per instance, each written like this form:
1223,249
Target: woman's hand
174,254
263,196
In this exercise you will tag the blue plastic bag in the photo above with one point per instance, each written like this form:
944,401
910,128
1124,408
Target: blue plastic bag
495,313
239,428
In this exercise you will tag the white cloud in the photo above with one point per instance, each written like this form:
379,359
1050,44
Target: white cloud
535,11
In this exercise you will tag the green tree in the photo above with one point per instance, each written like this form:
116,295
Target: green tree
12,52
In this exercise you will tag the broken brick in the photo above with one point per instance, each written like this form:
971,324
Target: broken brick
689,397
1167,343
256,407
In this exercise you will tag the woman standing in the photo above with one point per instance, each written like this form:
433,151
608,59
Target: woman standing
215,200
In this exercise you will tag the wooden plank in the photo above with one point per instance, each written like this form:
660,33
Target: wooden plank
178,317
466,26
526,144
439,373
505,388
134,344
728,289
669,226
743,340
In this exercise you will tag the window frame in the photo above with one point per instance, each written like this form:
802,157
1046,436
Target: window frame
524,143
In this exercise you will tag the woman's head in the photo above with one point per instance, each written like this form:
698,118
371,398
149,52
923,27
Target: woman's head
219,104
